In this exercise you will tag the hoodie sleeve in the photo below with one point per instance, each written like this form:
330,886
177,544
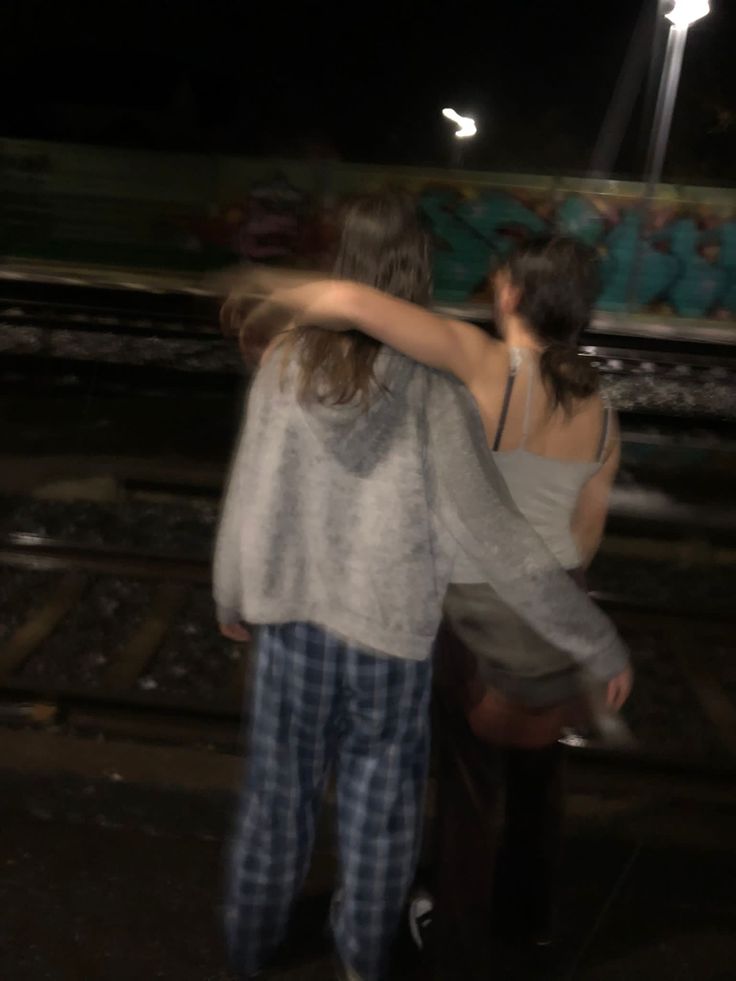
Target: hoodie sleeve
227,571
473,503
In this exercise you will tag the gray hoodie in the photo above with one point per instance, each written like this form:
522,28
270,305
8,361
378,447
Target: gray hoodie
354,518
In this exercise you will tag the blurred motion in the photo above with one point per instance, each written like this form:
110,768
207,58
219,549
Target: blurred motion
555,442
361,489
172,211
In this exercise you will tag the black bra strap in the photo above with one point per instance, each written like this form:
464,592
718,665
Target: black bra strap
505,407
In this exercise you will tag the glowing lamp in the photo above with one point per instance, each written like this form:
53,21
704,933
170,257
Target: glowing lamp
465,124
686,12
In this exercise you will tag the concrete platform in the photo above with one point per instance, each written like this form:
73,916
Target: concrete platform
110,904
112,856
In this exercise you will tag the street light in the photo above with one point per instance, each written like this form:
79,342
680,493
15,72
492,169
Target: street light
466,128
465,124
686,12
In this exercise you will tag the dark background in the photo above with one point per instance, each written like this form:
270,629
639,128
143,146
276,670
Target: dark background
358,82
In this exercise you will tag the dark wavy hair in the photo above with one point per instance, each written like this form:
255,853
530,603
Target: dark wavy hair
383,244
558,282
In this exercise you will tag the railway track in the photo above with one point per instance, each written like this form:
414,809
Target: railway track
87,310
125,642
660,395
170,308
138,287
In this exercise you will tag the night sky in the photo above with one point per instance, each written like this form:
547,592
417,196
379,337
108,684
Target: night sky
363,83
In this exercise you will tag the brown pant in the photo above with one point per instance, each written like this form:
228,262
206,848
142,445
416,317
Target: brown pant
492,872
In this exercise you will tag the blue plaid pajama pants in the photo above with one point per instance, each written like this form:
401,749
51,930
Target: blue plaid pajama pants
321,703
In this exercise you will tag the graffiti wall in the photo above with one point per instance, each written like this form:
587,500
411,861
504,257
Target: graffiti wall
675,256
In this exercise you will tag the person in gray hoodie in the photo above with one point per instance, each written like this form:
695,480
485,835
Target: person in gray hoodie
360,489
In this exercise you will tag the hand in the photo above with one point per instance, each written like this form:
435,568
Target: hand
619,689
316,304
257,322
236,632
250,287
235,309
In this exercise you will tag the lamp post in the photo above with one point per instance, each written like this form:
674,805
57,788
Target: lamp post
466,129
681,17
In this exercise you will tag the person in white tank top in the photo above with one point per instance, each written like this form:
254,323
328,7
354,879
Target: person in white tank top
546,489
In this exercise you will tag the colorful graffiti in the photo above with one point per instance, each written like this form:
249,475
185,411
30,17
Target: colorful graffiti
650,260
657,260
676,256
275,222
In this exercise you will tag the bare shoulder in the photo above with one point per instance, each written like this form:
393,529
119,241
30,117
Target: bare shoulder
489,379
478,336
596,406
488,354
464,347
496,351
492,360
601,421
607,412
584,424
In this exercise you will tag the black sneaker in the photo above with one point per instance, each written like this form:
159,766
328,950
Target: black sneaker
421,912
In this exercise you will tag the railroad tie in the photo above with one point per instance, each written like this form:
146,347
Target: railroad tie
708,688
41,623
687,552
139,650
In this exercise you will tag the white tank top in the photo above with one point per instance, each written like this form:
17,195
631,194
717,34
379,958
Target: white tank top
544,489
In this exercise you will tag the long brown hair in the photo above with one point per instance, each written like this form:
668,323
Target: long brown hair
382,244
558,282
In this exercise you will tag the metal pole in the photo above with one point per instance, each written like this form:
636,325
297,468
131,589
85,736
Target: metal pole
665,106
621,107
654,77
666,99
